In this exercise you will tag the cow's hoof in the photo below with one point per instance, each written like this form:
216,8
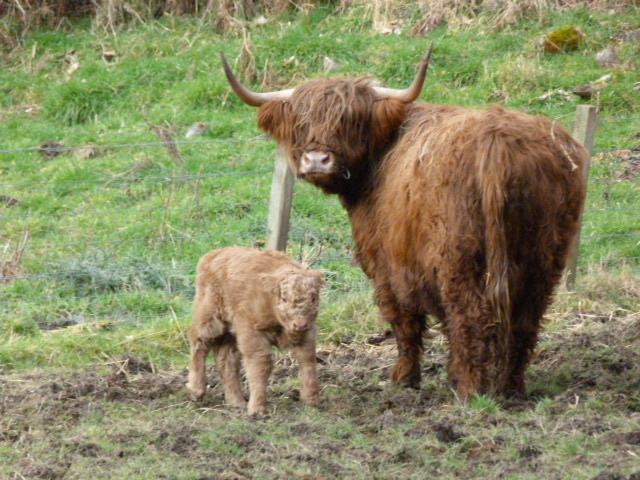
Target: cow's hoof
196,394
406,375
516,394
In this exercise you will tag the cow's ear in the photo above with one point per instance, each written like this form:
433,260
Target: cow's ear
276,119
388,115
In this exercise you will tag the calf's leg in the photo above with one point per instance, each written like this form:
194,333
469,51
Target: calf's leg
197,383
256,356
228,366
205,331
305,354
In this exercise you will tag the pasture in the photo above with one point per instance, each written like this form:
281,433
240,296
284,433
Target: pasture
100,235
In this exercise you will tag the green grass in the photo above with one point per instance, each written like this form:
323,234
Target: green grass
116,237
114,240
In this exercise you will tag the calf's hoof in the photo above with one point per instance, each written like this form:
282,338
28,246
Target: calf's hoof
406,374
256,410
236,402
310,400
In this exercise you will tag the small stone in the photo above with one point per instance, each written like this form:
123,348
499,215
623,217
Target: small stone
108,55
608,57
583,91
86,152
261,20
51,149
330,65
8,201
196,129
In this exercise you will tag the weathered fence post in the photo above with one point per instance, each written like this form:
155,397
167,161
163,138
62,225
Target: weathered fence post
584,129
280,203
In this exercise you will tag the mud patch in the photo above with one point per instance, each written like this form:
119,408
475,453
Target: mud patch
181,441
628,160
446,433
364,424
42,471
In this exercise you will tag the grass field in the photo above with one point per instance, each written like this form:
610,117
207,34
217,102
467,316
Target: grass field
93,315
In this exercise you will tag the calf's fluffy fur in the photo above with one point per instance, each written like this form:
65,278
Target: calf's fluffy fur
246,302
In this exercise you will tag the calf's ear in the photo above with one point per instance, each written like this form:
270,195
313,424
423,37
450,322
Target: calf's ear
276,119
319,277
388,115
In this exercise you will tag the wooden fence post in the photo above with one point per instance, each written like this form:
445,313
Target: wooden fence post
584,129
280,202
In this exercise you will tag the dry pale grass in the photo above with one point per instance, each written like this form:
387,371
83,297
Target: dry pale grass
599,295
387,16
22,16
457,14
11,254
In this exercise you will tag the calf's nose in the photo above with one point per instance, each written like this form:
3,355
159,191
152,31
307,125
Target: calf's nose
299,327
316,161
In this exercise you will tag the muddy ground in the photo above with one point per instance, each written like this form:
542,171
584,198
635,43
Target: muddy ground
126,420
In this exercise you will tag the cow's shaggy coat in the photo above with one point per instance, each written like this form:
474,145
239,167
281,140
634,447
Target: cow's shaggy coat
461,214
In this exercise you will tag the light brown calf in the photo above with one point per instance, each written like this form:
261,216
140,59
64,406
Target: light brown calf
246,302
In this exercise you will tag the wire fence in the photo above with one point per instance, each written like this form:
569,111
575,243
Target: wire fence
606,245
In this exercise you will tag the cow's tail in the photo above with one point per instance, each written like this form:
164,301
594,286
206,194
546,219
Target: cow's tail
494,163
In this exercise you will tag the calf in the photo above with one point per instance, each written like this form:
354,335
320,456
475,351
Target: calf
246,302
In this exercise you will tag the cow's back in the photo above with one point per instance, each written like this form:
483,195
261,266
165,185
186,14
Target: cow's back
456,173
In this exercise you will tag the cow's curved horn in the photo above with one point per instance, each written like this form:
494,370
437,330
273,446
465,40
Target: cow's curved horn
254,99
408,95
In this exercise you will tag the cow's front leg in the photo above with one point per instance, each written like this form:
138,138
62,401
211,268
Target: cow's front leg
408,328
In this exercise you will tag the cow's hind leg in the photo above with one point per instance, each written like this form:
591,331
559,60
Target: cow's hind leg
524,337
408,328
478,347
527,316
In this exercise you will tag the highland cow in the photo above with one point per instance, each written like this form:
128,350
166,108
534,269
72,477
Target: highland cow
465,215
246,302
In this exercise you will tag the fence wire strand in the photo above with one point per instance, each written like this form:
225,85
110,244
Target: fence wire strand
89,281
112,146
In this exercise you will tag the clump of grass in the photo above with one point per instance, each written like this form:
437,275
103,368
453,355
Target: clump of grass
600,295
516,76
11,257
98,273
79,102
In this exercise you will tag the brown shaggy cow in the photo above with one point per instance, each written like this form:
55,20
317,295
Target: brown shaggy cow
246,301
466,215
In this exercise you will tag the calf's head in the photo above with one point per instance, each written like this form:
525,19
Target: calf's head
297,296
332,129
